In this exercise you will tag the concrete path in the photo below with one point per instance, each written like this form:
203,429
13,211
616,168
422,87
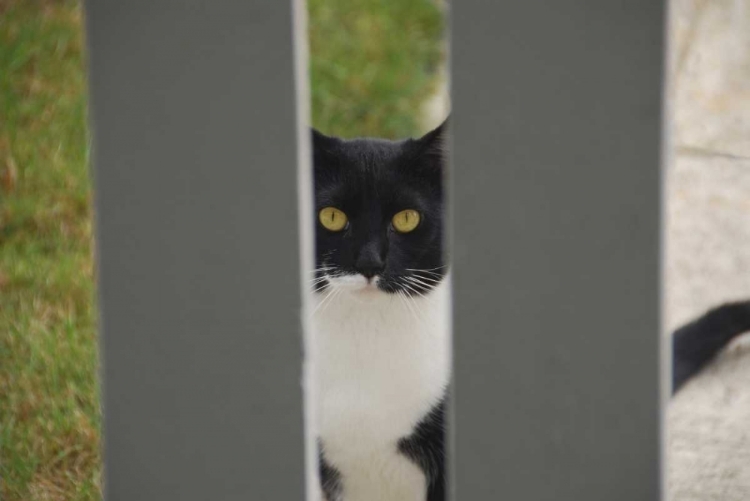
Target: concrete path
708,241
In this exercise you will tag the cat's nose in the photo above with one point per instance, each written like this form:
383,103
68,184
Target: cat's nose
369,272
370,267
370,262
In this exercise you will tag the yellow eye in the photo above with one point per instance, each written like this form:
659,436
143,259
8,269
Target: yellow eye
406,220
332,219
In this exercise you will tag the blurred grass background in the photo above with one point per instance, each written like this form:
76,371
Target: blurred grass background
373,65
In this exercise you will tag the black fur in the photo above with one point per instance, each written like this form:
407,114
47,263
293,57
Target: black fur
330,478
371,180
426,447
695,344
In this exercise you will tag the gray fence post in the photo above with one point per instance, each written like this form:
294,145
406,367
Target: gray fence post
556,149
196,186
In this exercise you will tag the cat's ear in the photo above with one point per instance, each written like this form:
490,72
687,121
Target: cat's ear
324,155
437,139
433,146
320,142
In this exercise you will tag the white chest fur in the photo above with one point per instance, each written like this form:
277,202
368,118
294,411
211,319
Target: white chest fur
381,363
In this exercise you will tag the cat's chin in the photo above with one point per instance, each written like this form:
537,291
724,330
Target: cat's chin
355,283
358,286
368,290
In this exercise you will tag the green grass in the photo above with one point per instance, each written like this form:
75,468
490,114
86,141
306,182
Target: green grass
49,417
373,64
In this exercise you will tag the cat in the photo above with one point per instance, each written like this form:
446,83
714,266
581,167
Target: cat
381,333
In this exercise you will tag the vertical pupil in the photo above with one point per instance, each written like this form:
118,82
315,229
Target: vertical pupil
333,216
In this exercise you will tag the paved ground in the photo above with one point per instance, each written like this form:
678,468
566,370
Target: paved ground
707,239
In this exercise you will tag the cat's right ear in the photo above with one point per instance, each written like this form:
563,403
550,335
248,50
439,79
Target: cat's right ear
321,142
324,156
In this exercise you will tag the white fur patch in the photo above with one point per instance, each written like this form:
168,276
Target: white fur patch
382,362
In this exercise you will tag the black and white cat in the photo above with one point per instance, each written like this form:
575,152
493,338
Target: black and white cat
381,326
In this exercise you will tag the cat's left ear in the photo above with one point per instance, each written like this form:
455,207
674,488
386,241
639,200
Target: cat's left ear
433,146
438,135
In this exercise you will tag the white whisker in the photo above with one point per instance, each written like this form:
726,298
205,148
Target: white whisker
327,297
322,269
407,303
336,292
421,316
427,269
412,289
434,278
420,282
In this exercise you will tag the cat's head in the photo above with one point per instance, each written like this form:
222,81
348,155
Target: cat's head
379,213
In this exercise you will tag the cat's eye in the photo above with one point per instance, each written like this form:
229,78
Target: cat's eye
333,219
406,221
